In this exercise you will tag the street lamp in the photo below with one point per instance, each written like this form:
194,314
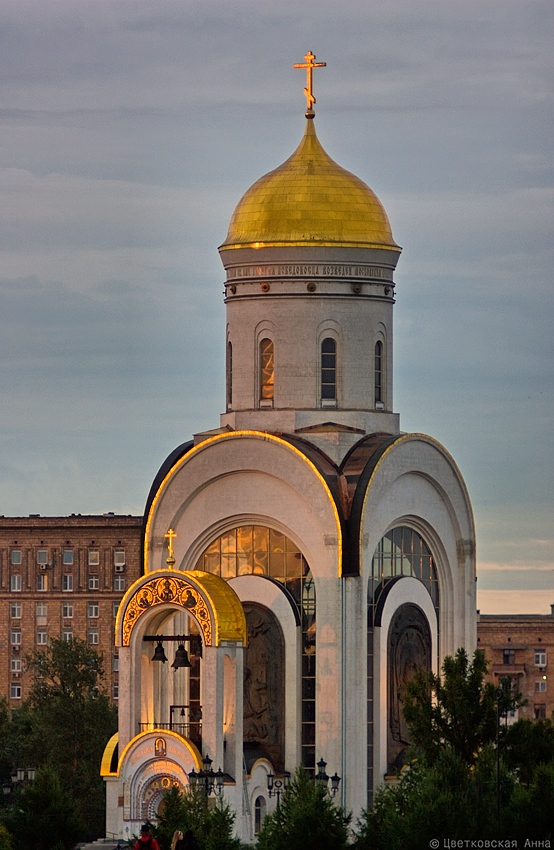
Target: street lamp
322,779
209,781
277,785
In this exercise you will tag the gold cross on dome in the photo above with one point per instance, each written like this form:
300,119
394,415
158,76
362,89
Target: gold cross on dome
171,535
310,63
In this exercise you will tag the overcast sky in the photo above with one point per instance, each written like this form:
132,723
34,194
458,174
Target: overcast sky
131,128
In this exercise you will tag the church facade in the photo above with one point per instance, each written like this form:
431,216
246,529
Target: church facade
304,558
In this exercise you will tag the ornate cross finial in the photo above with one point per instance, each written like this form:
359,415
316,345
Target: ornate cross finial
170,536
310,64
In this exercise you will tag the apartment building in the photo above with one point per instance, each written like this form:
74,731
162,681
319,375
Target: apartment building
62,577
521,646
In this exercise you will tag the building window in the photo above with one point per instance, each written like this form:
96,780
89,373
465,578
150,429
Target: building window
93,583
93,558
540,710
259,814
509,656
115,690
267,370
115,663
67,635
15,584
15,610
378,374
42,583
42,557
42,637
67,583
119,583
93,637
115,609
540,686
15,557
15,691
67,557
15,665
67,610
119,557
229,374
540,658
41,611
328,369
93,610
15,637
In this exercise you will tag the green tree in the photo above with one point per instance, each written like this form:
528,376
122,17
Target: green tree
211,820
457,711
43,817
5,838
449,799
526,744
65,724
306,819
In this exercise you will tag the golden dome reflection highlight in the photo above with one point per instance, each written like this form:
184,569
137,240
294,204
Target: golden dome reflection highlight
309,200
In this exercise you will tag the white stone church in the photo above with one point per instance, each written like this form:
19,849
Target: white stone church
301,560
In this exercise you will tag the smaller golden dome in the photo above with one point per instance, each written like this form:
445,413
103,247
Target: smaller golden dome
309,200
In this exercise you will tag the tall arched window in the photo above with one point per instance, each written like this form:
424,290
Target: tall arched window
229,375
378,374
328,369
267,369
258,550
259,814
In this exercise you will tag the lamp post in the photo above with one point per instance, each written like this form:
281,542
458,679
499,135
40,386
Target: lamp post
277,785
19,777
209,781
322,779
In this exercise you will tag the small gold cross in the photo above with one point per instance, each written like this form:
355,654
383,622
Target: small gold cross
310,64
171,535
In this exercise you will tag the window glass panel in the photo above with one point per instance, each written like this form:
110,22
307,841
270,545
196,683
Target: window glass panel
15,583
93,558
15,556
119,557
328,369
42,556
378,372
15,610
267,369
67,557
67,583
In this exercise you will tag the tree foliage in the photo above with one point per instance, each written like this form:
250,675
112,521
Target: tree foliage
44,817
306,819
211,821
449,799
457,711
64,725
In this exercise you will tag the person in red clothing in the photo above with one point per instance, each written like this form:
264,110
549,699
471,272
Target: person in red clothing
146,842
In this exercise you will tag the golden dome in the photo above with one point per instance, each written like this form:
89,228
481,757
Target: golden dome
309,200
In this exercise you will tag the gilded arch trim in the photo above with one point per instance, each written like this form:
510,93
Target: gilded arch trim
208,598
